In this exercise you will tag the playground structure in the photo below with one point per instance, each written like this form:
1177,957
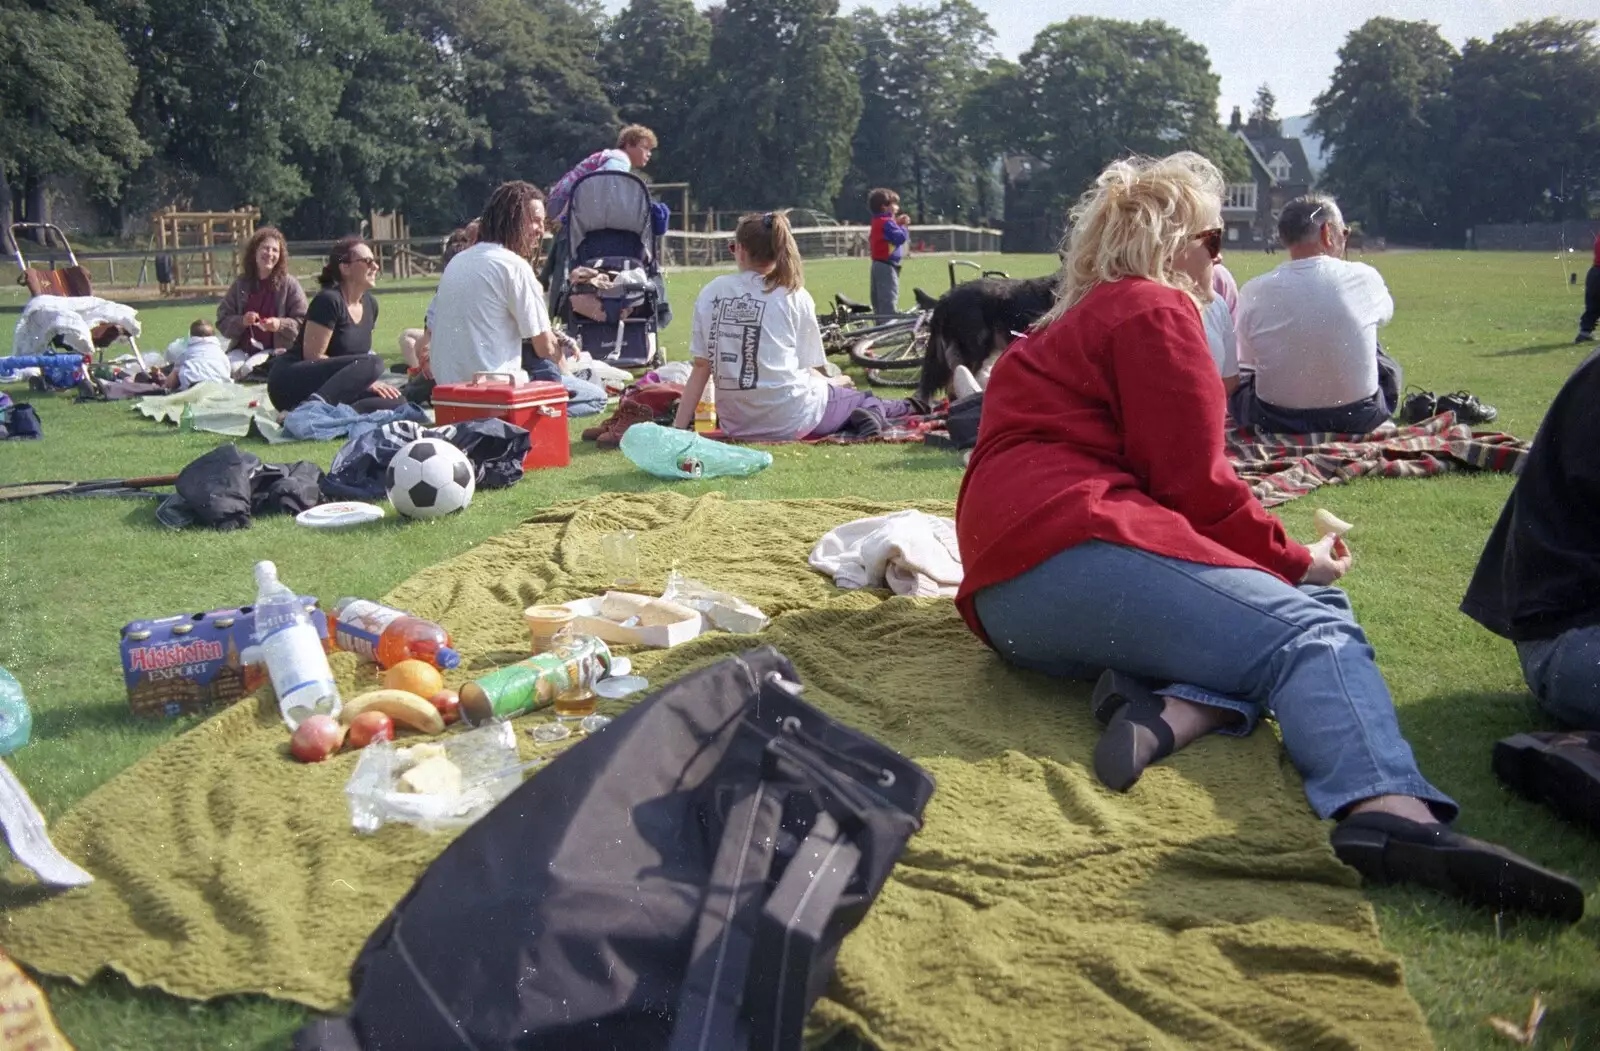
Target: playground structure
201,233
390,235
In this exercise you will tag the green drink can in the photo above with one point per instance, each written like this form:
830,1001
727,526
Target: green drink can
536,682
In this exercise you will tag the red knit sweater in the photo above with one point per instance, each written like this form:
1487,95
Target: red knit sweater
1108,426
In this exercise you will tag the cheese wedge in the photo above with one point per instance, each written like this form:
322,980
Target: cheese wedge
437,776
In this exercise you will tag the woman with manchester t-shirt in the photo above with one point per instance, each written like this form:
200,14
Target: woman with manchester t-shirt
333,357
1104,534
756,339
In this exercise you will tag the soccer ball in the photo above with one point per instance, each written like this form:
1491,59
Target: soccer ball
428,478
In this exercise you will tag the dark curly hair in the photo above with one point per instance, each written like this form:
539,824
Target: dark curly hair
505,217
340,253
279,272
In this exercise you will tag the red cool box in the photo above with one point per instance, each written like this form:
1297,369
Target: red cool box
539,408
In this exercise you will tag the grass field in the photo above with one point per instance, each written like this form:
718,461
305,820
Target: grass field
73,571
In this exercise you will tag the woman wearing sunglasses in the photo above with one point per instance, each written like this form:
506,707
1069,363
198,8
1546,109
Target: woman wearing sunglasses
1105,537
332,357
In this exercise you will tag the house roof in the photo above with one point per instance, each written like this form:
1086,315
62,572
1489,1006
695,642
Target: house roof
1019,167
1266,148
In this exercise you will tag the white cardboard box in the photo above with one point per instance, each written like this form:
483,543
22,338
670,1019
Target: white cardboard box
590,622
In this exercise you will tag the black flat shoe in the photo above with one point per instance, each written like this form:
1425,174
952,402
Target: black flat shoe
1114,689
1386,848
1135,735
1560,770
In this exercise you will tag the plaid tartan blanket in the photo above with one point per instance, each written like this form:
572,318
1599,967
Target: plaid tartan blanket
1281,467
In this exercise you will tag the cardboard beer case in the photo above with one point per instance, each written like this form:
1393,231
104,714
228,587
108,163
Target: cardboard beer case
190,663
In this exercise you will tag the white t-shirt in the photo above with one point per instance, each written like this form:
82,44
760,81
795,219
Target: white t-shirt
1220,336
488,302
199,358
762,347
1309,328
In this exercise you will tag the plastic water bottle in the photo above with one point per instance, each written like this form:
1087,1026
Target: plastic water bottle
288,643
16,720
388,635
705,411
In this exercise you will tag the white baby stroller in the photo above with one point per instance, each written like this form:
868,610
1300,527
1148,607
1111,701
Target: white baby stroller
63,315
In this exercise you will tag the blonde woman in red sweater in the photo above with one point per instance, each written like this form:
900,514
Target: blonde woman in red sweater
1106,537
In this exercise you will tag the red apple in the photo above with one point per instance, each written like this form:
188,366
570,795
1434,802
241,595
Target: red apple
449,704
316,738
370,726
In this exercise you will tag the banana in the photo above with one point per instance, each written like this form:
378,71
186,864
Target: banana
1326,523
400,705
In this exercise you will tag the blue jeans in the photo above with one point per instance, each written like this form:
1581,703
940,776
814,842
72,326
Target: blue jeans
1564,674
1239,639
583,398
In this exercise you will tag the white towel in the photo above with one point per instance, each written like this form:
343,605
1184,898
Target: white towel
910,552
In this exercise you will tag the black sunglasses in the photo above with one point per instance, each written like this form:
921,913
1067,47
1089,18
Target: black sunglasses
1212,240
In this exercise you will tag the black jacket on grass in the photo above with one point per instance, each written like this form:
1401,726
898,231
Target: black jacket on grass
1539,576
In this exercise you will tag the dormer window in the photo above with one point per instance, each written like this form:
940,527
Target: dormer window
1280,167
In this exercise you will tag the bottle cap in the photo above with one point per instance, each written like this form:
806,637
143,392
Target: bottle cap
447,658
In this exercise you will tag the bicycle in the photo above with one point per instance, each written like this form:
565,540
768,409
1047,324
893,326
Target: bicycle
849,321
891,351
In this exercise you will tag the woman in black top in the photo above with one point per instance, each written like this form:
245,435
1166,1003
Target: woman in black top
333,355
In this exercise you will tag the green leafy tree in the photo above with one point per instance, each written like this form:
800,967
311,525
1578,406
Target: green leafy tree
399,138
528,71
1385,118
655,61
65,86
919,65
781,108
875,157
1527,123
1264,114
1093,89
996,118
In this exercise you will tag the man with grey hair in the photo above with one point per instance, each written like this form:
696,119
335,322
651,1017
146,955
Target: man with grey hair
1308,334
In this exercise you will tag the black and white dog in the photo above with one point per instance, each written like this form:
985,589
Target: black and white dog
974,321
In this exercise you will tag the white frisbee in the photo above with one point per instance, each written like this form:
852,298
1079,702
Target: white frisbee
339,516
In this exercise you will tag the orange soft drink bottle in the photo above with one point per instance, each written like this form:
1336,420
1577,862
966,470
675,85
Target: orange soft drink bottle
387,635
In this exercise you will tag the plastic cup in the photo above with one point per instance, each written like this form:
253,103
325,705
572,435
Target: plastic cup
545,623
621,552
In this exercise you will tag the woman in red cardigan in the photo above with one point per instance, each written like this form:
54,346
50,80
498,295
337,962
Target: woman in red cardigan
1105,536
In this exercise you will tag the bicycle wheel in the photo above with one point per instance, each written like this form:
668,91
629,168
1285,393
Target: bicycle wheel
838,336
896,350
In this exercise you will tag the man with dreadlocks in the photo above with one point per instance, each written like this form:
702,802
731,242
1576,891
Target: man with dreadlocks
489,299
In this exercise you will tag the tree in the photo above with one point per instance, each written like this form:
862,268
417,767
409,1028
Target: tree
400,137
1093,89
1264,114
919,65
995,119
655,61
65,86
1385,118
875,159
781,107
529,71
1527,123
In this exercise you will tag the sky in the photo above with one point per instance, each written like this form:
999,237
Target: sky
1291,45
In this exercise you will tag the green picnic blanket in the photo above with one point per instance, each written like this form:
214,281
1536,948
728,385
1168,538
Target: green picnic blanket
1035,908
